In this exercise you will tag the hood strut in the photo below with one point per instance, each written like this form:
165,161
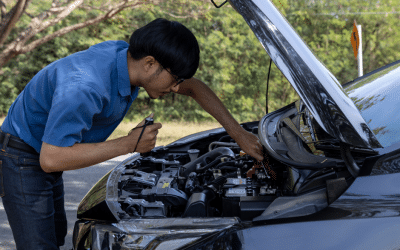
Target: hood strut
266,94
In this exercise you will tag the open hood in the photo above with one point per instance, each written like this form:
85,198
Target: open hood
319,89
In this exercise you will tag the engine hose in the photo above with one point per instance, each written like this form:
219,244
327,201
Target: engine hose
220,181
191,166
211,164
228,144
222,139
229,168
217,183
227,163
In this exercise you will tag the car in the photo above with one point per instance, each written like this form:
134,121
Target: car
329,179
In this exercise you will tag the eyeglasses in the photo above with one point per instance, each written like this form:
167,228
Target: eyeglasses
177,79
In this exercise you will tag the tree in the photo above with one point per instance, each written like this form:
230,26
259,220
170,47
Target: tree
27,21
233,62
326,27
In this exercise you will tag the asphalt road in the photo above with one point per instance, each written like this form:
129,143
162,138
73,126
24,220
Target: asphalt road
76,184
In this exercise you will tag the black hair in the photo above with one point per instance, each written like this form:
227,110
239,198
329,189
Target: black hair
172,44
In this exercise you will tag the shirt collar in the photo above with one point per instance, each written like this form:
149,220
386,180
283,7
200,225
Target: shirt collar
124,85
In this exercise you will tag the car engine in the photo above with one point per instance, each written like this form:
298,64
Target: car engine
210,176
222,182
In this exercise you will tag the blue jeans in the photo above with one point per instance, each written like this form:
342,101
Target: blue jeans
33,201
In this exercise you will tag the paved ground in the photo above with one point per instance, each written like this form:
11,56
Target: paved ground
76,184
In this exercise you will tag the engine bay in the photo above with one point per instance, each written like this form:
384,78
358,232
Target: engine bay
223,182
212,177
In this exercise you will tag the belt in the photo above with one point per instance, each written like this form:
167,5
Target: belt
16,143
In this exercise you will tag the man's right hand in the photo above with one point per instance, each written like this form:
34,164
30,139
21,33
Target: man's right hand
81,155
148,140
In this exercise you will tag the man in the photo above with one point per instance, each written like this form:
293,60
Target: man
66,112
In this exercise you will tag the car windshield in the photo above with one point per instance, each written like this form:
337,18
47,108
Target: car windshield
376,96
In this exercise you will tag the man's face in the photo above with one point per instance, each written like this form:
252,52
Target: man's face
160,83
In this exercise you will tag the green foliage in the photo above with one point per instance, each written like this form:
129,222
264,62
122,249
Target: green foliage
330,27
233,62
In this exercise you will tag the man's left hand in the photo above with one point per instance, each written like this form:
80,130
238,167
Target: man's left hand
207,99
250,144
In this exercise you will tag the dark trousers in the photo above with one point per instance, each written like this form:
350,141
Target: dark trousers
33,200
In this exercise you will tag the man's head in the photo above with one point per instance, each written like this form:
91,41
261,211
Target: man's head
161,53
170,43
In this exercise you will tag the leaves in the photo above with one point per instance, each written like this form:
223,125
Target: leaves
233,62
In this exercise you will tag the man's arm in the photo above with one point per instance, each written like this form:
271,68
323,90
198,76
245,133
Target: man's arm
81,155
207,99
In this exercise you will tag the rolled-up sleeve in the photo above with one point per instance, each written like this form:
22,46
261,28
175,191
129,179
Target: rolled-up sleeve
71,115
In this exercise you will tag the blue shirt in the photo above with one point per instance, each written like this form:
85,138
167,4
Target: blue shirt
78,99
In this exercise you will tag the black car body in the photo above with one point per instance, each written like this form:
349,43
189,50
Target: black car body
336,188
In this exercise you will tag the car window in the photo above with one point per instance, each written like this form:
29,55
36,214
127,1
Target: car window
377,96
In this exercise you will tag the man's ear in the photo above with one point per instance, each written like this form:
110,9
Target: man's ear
150,64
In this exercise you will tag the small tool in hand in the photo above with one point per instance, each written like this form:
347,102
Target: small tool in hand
147,121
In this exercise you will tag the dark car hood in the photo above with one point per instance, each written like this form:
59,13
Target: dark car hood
316,85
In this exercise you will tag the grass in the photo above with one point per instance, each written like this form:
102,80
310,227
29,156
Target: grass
170,131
